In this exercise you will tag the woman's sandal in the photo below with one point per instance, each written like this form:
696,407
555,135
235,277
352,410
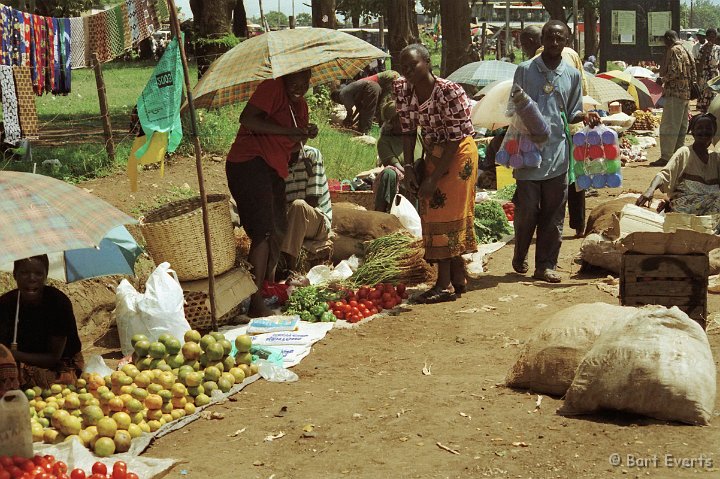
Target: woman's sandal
548,275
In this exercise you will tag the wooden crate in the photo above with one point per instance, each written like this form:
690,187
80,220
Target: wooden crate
667,280
365,199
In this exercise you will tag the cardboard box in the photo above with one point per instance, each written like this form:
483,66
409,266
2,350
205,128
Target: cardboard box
231,289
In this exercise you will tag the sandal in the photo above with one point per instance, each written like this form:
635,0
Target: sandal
520,267
548,275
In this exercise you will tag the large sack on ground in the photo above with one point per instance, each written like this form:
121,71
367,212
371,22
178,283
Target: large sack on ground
556,347
714,261
603,219
350,220
600,251
345,246
658,364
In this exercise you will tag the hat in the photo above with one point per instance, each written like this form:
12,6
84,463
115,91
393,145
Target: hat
701,32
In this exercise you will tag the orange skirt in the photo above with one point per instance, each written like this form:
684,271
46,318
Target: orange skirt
447,217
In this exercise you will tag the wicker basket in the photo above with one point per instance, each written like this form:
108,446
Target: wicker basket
365,199
197,312
174,233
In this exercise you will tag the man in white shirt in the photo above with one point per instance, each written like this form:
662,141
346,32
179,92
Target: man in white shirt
700,35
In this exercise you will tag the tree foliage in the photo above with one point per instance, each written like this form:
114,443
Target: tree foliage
57,8
706,14
275,19
303,20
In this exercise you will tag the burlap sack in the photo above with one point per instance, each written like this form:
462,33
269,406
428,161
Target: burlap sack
556,347
658,363
360,224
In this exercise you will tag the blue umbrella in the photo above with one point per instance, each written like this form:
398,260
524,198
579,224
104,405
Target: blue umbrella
116,254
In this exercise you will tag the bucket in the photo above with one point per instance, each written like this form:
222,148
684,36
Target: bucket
15,432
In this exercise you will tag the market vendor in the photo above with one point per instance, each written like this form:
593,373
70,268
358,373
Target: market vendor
541,194
360,99
48,346
274,126
445,184
309,211
390,157
385,79
691,179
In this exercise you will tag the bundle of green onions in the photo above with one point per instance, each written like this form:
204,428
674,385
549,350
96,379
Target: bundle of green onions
394,258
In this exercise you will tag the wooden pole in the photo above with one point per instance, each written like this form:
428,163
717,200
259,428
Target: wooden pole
576,36
262,17
381,31
508,46
102,97
175,26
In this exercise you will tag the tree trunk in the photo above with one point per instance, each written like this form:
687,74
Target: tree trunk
555,9
455,19
590,18
323,14
413,19
212,20
240,20
356,21
400,35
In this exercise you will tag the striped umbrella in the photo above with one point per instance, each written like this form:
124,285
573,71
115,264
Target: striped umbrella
332,55
634,86
483,73
39,215
605,91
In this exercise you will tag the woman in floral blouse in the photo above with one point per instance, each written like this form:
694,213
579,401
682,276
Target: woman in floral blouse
709,64
446,184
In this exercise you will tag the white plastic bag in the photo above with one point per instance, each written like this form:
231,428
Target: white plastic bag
407,214
274,373
96,364
159,310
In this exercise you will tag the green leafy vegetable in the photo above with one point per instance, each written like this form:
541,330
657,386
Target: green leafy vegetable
490,222
506,192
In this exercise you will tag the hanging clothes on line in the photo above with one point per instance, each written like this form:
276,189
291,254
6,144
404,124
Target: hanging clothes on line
50,50
27,113
7,35
37,60
11,122
116,36
65,53
77,40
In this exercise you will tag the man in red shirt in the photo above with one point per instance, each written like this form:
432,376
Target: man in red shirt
274,125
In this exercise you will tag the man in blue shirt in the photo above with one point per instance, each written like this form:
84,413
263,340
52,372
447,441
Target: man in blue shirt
541,195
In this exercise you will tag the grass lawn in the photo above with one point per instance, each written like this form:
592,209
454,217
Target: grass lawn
70,119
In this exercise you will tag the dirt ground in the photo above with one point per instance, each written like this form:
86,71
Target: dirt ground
374,414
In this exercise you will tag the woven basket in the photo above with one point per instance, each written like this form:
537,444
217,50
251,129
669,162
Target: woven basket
197,312
362,198
174,233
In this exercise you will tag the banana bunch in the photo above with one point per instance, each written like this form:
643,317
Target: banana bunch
644,120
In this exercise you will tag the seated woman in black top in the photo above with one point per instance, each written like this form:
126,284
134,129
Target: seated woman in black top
48,346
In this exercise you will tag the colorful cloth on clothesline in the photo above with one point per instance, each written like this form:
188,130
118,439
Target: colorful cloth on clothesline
11,122
116,36
77,40
27,112
37,59
64,50
50,49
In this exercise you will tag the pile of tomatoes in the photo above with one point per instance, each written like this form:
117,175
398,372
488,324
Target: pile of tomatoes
367,301
509,209
46,467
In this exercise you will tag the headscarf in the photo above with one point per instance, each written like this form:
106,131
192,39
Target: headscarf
8,371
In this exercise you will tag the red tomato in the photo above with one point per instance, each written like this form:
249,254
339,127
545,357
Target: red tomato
353,303
119,470
99,468
340,304
354,311
400,288
347,309
132,475
6,461
364,312
59,467
373,310
29,466
62,476
4,474
77,474
19,461
15,472
50,458
339,314
98,476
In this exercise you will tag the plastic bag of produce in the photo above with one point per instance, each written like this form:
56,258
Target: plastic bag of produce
159,310
556,347
407,214
658,363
